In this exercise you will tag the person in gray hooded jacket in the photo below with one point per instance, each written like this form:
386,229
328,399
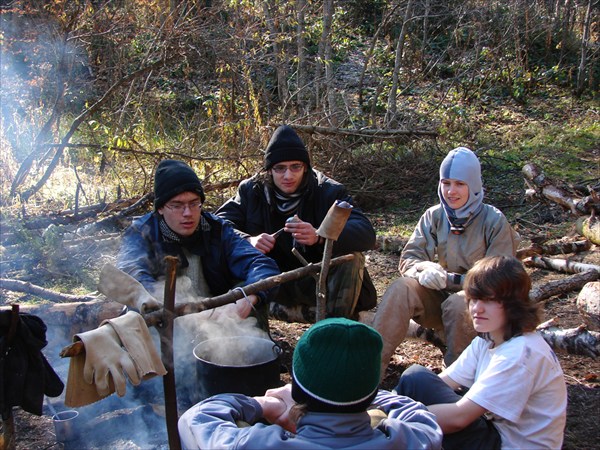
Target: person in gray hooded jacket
329,403
448,239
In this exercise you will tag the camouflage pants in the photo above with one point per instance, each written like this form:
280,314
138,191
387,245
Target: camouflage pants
297,300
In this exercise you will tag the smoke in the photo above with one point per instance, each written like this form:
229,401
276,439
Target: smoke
137,420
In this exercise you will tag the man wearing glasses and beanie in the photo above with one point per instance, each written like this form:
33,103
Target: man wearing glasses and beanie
210,253
280,208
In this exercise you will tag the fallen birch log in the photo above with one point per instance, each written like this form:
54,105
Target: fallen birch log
574,341
568,284
560,265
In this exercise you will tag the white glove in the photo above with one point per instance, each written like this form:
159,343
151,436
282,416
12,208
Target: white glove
433,278
429,274
419,267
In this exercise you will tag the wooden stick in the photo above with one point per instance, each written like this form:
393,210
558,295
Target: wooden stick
322,284
232,296
155,318
166,350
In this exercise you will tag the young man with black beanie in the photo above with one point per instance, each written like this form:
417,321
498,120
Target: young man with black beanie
280,209
210,253
331,403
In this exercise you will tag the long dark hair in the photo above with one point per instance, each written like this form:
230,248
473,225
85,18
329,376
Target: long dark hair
505,280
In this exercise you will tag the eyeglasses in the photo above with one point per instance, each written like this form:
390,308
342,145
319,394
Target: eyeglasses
294,168
180,207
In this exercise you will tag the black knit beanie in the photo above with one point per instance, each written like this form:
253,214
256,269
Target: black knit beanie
172,178
285,145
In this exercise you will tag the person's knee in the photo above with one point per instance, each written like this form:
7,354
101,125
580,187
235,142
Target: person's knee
455,304
412,380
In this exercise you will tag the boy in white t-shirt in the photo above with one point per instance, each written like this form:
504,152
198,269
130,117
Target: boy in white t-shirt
516,395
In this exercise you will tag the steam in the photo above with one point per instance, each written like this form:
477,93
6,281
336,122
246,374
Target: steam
216,328
138,417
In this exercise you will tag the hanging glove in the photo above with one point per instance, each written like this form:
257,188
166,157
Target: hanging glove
121,287
106,360
433,276
136,340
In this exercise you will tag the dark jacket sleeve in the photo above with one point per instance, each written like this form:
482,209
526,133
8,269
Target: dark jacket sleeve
358,234
236,210
137,254
245,263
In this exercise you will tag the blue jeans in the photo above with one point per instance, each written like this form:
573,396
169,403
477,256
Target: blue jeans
423,385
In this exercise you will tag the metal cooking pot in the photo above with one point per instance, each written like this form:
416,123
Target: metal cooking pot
241,364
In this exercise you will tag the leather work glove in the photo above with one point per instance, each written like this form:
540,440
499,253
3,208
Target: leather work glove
121,287
106,361
429,274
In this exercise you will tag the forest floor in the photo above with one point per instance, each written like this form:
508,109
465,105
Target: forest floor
582,373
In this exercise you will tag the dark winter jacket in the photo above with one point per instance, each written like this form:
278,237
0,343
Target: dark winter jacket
227,259
253,212
25,374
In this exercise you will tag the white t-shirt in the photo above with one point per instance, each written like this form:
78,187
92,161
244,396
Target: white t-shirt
521,384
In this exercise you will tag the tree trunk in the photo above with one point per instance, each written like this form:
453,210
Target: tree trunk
369,54
390,116
278,53
328,7
302,88
584,44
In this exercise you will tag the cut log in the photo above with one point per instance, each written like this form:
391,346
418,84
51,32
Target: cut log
588,304
574,341
568,284
554,249
561,265
589,227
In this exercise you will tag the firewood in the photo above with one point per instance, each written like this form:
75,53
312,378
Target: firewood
574,341
568,284
588,305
